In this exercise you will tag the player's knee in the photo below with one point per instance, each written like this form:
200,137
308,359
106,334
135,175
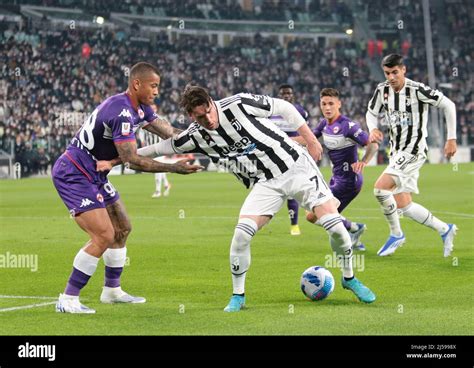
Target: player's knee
243,234
311,217
104,238
122,234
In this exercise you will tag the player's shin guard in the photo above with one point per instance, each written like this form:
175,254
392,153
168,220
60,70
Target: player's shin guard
389,209
421,215
114,260
240,253
84,266
340,241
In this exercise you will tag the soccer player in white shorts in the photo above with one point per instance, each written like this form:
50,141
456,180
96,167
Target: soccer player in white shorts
237,129
406,105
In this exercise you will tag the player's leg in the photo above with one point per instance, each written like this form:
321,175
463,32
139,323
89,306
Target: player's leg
158,180
423,216
293,208
345,193
116,255
383,191
85,204
166,185
258,209
97,224
314,195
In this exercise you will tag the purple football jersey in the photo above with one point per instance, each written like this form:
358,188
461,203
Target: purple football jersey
283,125
113,121
341,139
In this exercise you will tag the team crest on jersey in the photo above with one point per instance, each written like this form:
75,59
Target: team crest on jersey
335,130
125,113
100,198
126,128
235,123
141,114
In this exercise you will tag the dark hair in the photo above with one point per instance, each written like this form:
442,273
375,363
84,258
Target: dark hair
329,92
285,86
142,68
194,96
392,60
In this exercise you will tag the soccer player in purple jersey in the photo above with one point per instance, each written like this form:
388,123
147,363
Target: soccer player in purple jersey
341,136
93,202
285,92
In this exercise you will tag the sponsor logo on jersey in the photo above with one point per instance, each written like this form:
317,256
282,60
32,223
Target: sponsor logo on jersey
356,134
244,142
126,128
351,124
86,202
125,113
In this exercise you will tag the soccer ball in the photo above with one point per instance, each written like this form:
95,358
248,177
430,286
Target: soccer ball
317,283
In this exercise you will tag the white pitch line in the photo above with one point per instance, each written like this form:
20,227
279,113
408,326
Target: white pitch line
26,297
26,306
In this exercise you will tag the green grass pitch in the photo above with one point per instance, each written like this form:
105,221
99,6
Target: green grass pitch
179,249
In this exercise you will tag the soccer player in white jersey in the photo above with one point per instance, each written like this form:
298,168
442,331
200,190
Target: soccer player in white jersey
236,132
406,105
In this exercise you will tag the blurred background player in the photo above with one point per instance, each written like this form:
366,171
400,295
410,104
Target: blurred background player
406,105
341,135
93,202
161,179
285,92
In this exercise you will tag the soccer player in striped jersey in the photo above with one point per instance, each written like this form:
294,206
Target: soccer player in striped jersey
285,92
341,136
236,133
406,104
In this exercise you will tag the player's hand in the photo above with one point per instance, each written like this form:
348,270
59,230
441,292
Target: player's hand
376,136
316,151
104,166
450,148
358,167
183,167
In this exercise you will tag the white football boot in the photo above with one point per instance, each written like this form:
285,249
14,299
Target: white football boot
71,304
117,295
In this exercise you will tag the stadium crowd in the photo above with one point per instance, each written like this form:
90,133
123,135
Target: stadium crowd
54,79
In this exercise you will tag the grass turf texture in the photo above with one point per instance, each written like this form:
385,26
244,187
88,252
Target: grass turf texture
179,250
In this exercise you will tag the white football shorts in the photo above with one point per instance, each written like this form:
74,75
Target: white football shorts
303,182
405,170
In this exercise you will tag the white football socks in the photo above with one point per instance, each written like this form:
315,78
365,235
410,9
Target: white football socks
240,253
340,241
85,262
115,257
389,209
421,215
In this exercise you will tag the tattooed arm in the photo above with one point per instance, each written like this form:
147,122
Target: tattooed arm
128,155
162,128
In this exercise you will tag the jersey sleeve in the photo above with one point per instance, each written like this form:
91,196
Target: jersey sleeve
257,105
428,95
376,106
184,142
150,115
302,112
318,131
122,130
357,134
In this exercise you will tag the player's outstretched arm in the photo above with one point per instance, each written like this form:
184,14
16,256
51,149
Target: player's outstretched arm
162,128
128,154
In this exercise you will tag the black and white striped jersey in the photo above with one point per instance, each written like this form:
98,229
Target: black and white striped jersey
406,114
246,142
